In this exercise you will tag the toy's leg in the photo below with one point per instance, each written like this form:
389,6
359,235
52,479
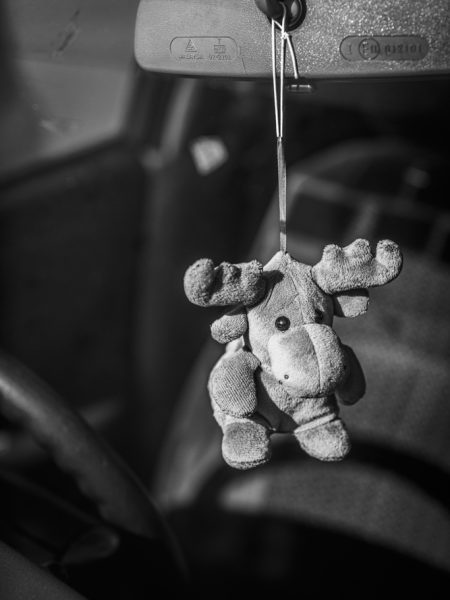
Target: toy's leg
245,443
232,384
233,395
325,441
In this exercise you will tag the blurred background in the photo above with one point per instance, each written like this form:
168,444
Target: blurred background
112,182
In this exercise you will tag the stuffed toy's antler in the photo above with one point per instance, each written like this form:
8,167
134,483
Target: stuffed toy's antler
355,266
224,285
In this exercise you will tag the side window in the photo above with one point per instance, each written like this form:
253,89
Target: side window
68,70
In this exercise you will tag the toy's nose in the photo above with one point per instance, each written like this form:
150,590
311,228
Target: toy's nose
307,359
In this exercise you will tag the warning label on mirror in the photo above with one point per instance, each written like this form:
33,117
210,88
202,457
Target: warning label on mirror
204,48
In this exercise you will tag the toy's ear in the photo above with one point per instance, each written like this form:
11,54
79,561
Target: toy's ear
352,303
231,326
224,285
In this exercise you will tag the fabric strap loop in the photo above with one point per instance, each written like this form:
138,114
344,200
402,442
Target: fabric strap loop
285,39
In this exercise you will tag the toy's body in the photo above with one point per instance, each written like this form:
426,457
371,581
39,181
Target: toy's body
285,369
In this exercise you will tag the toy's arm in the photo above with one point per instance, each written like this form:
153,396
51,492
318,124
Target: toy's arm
230,326
354,386
232,383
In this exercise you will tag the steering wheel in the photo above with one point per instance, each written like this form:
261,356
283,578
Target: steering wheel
101,475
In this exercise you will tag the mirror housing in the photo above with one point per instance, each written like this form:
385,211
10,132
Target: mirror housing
336,39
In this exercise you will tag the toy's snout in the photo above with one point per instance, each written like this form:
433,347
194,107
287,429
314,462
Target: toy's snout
308,359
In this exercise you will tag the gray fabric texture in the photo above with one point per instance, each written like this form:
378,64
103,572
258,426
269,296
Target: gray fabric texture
230,326
284,374
355,266
232,385
291,293
352,303
245,444
224,285
307,360
300,369
328,442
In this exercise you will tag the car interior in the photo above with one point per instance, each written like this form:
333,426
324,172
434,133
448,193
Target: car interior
136,138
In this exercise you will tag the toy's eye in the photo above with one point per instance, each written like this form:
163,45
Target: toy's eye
318,315
282,323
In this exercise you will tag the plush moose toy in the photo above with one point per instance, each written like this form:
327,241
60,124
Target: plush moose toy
285,368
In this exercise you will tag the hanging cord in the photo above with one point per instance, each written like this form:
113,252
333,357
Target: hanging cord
279,114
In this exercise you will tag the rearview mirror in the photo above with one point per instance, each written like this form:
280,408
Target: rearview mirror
336,39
